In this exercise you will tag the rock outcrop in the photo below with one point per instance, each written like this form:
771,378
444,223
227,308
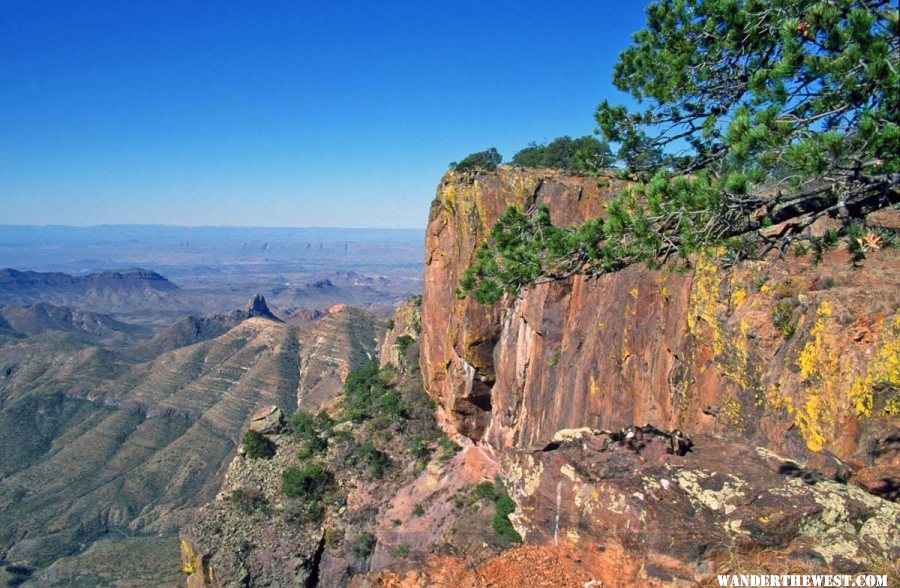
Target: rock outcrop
699,351
660,518
406,325
267,420
257,306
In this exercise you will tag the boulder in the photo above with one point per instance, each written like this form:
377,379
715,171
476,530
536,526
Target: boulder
268,421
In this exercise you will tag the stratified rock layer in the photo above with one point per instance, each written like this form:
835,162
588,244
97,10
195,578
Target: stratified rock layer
96,443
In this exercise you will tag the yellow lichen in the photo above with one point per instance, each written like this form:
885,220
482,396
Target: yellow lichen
738,297
820,372
882,371
704,298
593,386
778,401
662,291
450,197
731,412
892,406
189,563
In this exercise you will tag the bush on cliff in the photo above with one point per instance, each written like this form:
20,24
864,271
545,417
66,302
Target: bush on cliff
580,155
504,532
311,431
309,482
487,160
257,446
388,408
377,462
752,114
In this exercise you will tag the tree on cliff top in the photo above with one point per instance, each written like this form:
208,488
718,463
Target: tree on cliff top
487,160
577,155
753,113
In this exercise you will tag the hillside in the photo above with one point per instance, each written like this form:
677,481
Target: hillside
787,358
96,444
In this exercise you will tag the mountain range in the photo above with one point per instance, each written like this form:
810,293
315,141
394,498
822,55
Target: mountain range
101,436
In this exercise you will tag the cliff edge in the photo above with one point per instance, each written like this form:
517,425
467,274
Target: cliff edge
796,356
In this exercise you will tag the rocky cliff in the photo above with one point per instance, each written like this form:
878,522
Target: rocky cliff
643,428
797,356
784,372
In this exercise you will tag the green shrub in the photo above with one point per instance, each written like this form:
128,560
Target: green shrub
403,344
309,482
486,160
248,499
304,511
309,430
257,446
361,389
418,511
401,551
782,318
449,448
504,532
485,490
333,538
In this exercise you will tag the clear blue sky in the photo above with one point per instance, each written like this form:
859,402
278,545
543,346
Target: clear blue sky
269,113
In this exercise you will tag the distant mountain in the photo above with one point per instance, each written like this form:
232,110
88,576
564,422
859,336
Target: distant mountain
97,444
35,319
12,280
192,329
115,292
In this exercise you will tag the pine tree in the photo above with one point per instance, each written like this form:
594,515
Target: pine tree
754,113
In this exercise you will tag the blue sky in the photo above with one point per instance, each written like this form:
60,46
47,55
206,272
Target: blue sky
282,113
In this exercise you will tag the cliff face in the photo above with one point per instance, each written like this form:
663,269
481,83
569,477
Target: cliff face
698,351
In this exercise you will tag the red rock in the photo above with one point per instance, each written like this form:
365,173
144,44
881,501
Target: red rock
697,351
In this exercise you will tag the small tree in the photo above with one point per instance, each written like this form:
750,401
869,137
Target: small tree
581,155
377,461
487,160
309,431
257,446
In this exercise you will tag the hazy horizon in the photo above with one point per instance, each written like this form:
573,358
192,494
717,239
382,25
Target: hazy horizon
207,226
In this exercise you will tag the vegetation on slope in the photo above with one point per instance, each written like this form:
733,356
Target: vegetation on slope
257,446
753,114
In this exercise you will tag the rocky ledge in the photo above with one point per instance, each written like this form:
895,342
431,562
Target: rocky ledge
639,513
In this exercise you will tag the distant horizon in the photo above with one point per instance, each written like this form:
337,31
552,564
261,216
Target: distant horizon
209,226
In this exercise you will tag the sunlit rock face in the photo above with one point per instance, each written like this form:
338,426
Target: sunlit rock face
705,351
